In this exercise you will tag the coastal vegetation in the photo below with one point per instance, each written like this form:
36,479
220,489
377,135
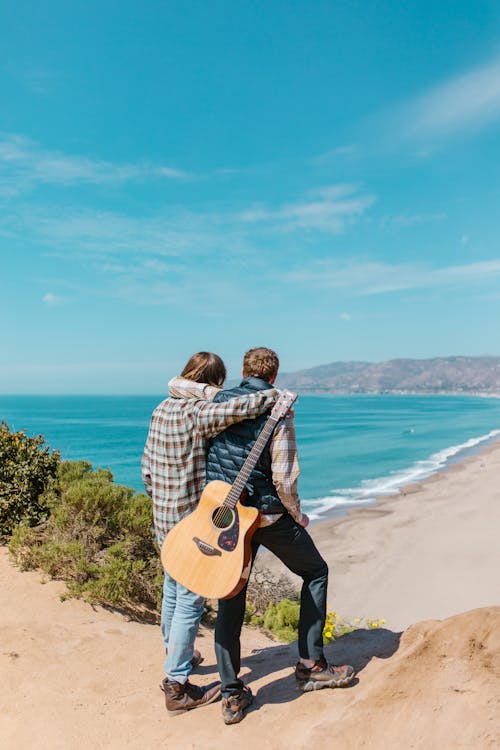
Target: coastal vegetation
274,604
75,524
27,469
97,538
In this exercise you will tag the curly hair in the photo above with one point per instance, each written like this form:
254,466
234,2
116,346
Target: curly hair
260,363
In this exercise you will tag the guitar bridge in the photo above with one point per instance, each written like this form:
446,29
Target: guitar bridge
205,548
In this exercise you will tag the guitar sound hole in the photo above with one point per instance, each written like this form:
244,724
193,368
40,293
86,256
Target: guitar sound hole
222,517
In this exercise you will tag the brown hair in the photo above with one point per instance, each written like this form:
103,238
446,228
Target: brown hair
205,367
261,363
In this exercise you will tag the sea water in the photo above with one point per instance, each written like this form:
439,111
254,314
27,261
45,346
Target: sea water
351,448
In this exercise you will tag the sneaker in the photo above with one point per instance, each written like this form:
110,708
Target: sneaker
233,707
184,697
322,675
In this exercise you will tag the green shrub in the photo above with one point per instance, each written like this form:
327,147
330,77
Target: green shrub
98,538
27,470
282,619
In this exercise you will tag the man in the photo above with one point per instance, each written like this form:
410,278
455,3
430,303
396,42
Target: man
273,490
173,470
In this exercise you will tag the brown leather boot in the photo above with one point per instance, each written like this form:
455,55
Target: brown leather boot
180,698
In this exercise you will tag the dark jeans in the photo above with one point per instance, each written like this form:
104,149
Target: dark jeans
294,547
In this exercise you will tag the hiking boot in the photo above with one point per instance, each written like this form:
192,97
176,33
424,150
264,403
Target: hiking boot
195,661
184,697
322,675
233,707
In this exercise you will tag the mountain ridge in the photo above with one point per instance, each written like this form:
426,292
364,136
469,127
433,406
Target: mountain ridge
437,375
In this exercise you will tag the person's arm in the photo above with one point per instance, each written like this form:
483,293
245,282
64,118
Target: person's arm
180,387
285,468
210,418
146,471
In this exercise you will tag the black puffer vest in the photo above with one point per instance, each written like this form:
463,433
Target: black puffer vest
228,451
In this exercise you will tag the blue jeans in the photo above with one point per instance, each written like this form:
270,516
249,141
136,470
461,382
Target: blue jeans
181,612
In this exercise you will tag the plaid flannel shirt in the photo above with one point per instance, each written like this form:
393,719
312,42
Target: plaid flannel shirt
285,465
174,459
284,459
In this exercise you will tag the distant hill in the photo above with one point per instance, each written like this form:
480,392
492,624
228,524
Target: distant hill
439,375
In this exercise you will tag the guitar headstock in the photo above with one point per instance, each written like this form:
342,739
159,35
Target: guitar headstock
283,404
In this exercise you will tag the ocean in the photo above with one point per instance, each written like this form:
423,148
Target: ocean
351,448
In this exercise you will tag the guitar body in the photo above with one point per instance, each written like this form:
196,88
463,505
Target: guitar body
209,551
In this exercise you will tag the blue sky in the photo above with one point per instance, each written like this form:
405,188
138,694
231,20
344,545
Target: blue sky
318,177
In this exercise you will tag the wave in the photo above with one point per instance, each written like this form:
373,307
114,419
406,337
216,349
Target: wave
368,490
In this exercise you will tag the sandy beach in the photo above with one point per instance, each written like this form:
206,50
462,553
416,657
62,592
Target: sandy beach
427,561
430,552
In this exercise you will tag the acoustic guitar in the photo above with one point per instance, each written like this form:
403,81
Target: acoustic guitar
209,551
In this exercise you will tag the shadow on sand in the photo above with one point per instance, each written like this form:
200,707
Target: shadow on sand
357,648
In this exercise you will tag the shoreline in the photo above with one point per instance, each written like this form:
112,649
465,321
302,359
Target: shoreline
464,453
428,552
454,464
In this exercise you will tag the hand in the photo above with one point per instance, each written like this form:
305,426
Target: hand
304,520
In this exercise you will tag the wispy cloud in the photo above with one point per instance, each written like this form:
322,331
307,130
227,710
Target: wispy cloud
157,259
400,221
348,149
52,300
469,100
364,278
163,256
176,233
34,78
37,80
326,209
23,164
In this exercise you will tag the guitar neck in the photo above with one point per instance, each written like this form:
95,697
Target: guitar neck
250,462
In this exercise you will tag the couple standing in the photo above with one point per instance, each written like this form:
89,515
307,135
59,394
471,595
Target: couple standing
201,433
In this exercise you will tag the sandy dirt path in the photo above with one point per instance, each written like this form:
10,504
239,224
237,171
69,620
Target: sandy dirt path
77,677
